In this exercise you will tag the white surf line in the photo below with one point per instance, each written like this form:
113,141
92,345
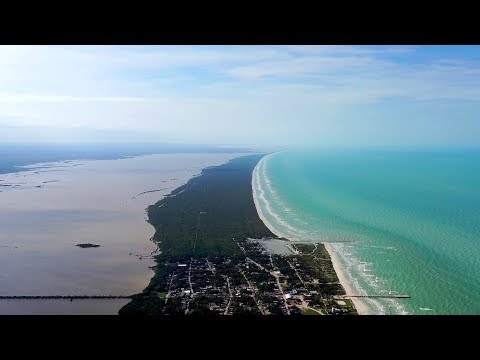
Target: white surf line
361,307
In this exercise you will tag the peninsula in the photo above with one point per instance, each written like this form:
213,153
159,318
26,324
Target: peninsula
214,261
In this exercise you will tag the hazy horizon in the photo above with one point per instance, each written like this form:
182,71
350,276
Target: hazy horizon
340,96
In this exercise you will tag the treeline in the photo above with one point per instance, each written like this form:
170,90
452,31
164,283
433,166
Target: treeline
201,218
218,205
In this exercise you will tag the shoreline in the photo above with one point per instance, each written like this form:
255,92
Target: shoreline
218,206
114,219
361,307
259,210
200,204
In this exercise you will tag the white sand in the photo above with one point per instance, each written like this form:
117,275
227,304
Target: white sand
257,206
361,307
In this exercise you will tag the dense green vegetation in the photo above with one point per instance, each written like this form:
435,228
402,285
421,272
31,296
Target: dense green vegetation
308,311
316,260
209,211
217,204
208,267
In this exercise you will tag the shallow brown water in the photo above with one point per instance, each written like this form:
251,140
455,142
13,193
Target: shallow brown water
84,202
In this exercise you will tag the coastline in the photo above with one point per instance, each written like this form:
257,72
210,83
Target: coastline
72,195
218,206
360,306
255,201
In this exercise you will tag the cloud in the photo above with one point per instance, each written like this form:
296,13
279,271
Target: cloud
222,92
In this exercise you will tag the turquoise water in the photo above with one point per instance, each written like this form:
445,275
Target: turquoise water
405,222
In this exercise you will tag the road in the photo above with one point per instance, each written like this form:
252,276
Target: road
230,297
169,288
253,292
281,290
191,260
296,272
275,275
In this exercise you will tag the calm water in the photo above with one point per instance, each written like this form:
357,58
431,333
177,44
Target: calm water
48,208
404,222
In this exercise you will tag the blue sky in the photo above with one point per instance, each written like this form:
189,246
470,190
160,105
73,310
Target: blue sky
245,95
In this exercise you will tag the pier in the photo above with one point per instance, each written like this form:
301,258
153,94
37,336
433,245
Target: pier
67,297
386,296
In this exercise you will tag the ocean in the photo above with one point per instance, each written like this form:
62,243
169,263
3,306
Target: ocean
399,221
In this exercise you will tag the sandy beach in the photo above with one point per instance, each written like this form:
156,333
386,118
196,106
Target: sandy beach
361,307
257,206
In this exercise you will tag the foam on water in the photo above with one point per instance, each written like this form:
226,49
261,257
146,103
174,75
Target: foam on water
398,223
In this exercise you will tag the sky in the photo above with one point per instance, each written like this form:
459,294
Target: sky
242,95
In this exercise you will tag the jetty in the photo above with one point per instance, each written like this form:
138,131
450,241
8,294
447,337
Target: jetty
385,296
67,297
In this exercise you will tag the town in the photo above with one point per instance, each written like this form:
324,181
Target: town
212,258
257,282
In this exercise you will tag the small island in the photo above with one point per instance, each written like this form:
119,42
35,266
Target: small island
87,245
